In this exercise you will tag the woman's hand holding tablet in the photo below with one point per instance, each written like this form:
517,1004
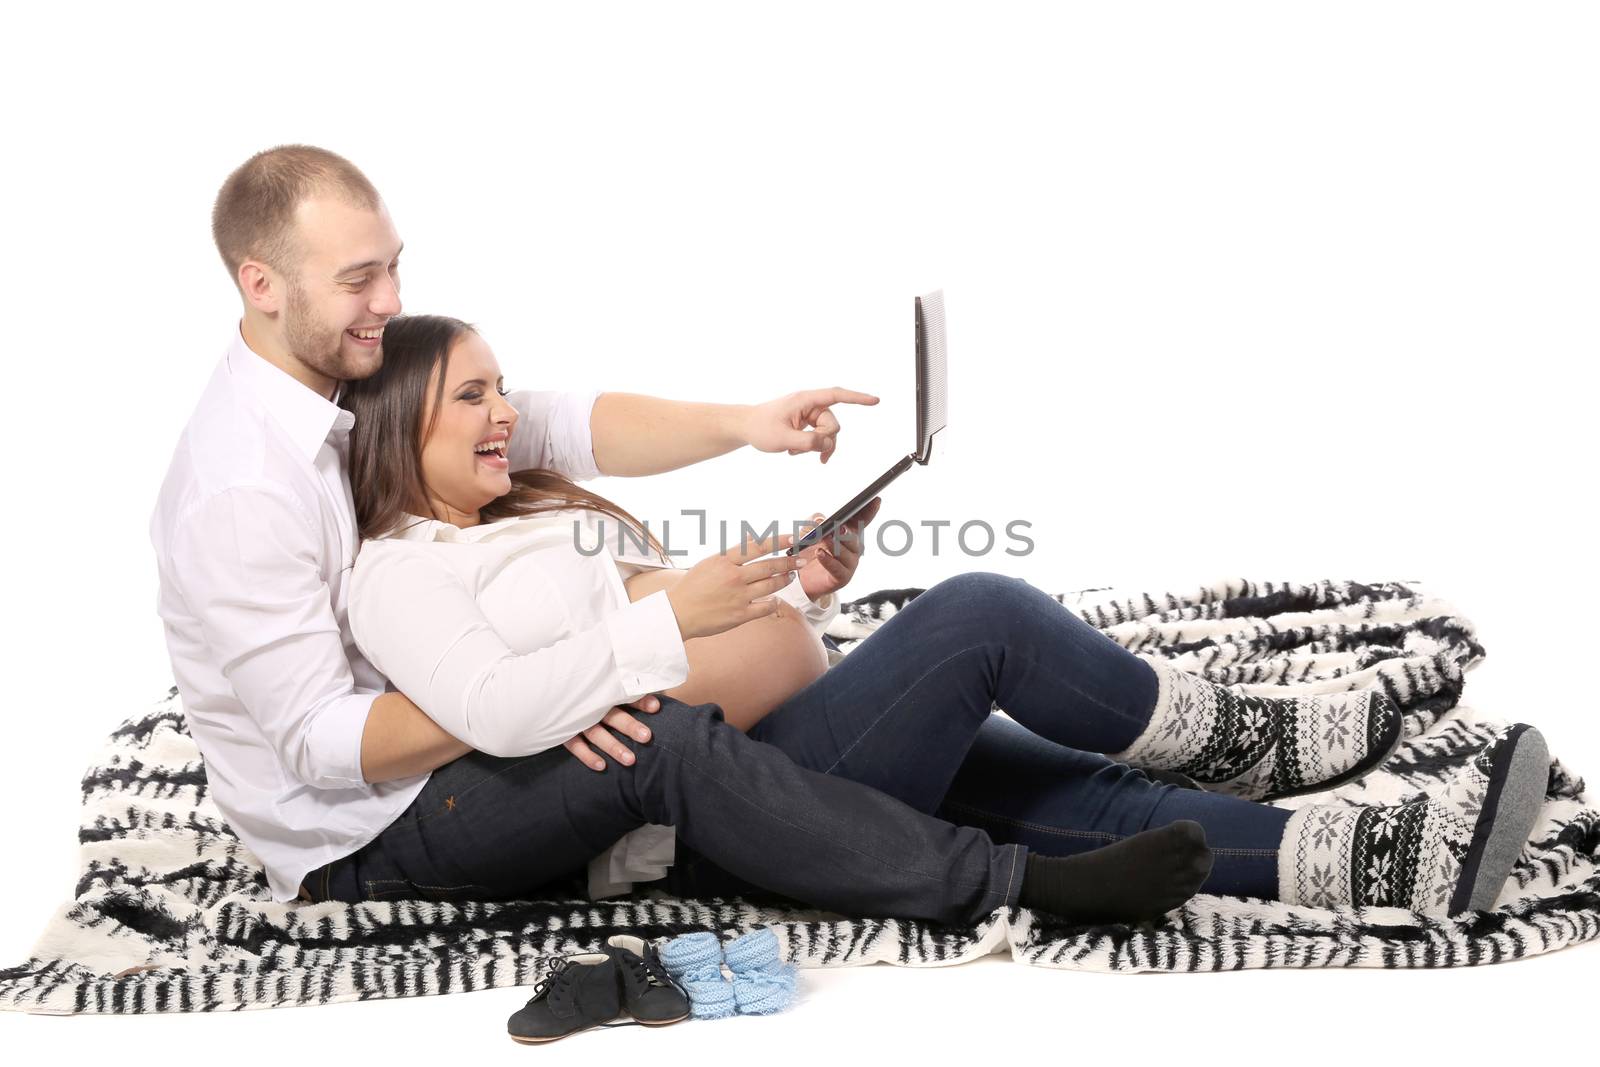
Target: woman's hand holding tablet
832,559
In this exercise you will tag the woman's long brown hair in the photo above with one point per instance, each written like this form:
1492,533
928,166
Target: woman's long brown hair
386,443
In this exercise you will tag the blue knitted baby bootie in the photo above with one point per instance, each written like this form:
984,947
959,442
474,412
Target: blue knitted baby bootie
761,984
695,961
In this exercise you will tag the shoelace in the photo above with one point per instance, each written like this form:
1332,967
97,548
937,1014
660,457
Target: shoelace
563,990
553,982
648,969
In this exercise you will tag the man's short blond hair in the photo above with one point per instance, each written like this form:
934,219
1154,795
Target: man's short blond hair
253,217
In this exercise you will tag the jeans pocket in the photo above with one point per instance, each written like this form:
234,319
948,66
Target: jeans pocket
315,887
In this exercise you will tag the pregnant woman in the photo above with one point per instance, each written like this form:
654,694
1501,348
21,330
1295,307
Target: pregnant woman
882,785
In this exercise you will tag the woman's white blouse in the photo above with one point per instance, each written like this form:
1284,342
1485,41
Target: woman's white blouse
517,634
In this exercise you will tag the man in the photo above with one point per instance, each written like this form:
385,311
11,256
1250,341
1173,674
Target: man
254,528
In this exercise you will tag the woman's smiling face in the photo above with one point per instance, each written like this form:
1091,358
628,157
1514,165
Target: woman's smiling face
473,415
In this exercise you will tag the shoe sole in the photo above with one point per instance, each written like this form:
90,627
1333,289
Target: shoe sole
546,1040
1518,781
597,1026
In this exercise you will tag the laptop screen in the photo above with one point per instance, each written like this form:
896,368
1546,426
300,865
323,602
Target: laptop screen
931,380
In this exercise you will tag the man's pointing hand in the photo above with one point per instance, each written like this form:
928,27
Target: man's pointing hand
800,422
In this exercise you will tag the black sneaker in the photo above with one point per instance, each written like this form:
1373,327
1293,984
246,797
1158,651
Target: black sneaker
649,993
579,993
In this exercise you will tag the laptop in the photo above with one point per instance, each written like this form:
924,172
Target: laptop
931,389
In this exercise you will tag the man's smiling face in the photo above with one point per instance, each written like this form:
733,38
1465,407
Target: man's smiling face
347,287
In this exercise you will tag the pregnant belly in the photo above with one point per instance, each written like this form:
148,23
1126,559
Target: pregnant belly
748,670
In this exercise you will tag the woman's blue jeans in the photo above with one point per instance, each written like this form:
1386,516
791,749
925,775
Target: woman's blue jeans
886,787
908,712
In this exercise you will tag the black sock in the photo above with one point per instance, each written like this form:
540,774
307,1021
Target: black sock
1140,877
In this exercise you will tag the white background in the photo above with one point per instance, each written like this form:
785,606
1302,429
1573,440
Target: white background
1263,290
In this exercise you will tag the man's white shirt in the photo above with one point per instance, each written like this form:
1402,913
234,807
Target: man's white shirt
255,537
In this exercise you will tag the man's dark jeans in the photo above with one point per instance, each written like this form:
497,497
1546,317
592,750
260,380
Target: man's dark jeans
857,794
496,828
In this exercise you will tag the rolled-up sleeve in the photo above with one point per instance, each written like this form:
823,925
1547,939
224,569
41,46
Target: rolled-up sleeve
819,613
553,433
245,561
419,625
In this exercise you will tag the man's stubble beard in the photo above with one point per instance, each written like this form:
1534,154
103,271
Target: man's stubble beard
317,347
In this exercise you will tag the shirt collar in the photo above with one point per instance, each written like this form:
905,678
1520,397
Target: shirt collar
308,419
417,528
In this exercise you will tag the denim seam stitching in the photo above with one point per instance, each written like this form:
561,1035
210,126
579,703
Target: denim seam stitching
1115,712
374,894
886,711
714,780
474,785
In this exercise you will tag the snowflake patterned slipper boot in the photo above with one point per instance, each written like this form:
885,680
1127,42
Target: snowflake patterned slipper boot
1263,748
1442,855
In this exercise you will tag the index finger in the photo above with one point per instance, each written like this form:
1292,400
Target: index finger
836,395
749,549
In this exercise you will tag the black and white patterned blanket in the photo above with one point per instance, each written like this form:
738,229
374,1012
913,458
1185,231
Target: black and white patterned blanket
171,912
